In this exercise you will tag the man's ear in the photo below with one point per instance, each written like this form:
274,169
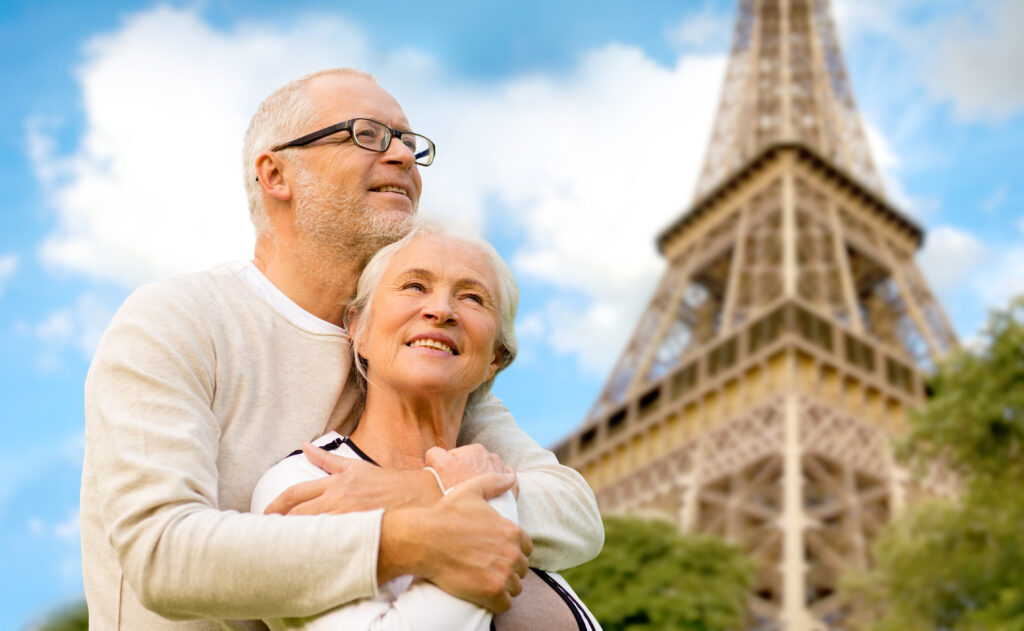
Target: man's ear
270,174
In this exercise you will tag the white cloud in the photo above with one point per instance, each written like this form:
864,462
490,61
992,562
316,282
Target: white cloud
886,160
68,529
955,260
8,265
530,326
889,166
66,535
855,18
154,186
702,31
79,325
996,198
949,256
588,164
586,333
976,61
92,315
1003,280
969,54
56,328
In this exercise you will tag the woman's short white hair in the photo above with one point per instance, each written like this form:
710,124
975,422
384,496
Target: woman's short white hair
508,293
284,115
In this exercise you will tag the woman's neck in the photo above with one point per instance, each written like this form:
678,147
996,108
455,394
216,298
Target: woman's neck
397,430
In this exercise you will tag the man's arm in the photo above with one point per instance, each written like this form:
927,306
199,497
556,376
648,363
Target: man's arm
556,506
151,486
408,536
151,459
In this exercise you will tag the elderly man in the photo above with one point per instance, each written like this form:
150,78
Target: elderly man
203,381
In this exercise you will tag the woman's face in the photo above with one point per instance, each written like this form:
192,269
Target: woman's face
434,320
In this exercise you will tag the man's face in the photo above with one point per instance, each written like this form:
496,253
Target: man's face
347,195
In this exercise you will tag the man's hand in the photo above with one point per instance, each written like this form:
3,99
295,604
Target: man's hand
466,462
461,544
354,485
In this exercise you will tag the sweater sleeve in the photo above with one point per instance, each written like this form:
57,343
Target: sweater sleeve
152,446
422,606
556,506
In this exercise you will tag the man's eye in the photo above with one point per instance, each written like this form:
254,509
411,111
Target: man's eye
409,142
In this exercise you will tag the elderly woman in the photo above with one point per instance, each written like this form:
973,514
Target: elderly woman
431,325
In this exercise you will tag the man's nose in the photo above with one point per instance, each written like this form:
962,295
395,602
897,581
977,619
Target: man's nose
399,153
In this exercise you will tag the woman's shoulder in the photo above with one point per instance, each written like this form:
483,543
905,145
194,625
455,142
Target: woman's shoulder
294,468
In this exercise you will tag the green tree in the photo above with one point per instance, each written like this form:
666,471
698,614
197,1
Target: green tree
72,618
650,576
958,565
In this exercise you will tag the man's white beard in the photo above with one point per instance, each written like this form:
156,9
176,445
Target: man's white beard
338,228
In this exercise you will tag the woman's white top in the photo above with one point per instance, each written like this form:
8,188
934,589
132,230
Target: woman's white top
403,603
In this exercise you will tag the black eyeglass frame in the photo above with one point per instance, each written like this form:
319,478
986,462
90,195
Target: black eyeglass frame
347,126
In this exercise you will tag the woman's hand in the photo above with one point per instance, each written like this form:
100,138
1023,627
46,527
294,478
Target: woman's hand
354,485
464,463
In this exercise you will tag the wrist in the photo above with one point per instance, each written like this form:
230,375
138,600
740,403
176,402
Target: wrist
437,477
430,485
398,553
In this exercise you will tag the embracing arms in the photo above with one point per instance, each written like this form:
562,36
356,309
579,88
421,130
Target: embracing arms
556,506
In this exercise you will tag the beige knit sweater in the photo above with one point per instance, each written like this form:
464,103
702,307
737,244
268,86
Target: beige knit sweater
197,388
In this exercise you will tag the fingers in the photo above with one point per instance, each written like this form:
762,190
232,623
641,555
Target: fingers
514,585
331,463
437,457
498,604
295,495
496,463
489,485
515,485
525,543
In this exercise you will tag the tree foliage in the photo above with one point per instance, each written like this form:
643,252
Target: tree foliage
650,576
72,618
958,565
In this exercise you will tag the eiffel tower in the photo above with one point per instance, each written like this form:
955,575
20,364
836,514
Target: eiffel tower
786,341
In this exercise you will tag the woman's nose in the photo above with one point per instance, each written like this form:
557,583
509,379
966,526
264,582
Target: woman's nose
439,308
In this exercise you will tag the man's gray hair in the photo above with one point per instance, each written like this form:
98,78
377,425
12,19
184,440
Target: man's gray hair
284,115
508,293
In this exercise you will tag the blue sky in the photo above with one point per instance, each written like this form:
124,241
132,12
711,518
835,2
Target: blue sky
120,134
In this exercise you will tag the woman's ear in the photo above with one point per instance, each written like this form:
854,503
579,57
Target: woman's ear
352,325
495,365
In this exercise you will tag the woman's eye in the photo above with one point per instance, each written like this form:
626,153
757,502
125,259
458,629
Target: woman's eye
413,285
477,298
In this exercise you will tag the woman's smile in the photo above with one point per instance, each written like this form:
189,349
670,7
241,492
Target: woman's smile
435,341
433,321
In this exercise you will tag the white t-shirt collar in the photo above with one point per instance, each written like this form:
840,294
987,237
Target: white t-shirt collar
281,303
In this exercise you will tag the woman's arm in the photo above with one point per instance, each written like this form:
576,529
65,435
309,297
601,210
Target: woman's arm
421,606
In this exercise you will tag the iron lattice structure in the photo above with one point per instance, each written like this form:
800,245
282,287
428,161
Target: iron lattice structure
786,341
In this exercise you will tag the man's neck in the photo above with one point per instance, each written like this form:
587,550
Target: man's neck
320,283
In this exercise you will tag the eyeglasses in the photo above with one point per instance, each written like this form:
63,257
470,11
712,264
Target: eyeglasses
372,135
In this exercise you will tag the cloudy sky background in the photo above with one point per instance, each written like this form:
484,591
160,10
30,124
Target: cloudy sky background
120,136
